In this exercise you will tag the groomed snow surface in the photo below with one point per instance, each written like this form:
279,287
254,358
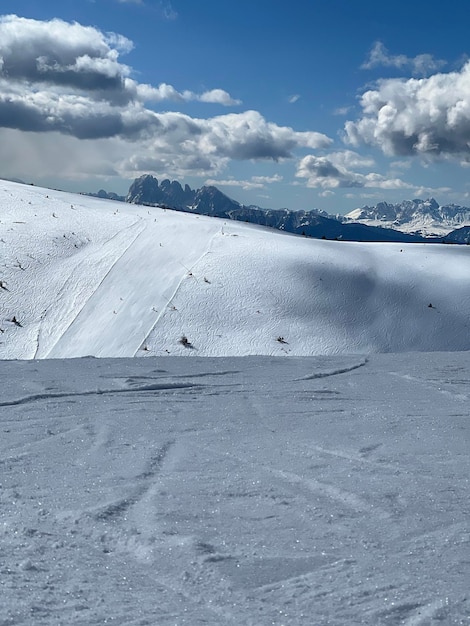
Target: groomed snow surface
84,276
330,487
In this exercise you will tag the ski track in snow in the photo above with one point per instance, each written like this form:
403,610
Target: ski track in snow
182,518
233,491
434,388
99,392
59,309
127,280
173,295
336,372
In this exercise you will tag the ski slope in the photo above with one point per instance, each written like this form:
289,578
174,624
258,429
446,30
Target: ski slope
83,276
328,488
252,491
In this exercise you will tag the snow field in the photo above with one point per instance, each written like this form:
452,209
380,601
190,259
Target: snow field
254,491
83,276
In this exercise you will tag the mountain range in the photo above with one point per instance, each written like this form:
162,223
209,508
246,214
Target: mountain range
412,221
423,217
209,200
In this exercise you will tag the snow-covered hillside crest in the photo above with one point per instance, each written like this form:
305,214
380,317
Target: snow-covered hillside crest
209,200
425,217
84,276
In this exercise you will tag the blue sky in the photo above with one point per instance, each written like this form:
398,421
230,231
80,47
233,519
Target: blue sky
311,104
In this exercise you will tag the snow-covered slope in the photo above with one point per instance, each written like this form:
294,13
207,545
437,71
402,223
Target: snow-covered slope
84,276
255,491
425,217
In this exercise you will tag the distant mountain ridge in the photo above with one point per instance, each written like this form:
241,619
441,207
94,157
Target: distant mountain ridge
212,202
410,221
423,217
460,235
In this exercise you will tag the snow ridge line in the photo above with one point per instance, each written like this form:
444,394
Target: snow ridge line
344,370
163,311
99,392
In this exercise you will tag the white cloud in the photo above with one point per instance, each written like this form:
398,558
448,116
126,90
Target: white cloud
419,65
217,96
400,165
137,141
207,144
421,192
342,110
277,178
167,11
427,116
76,59
59,79
334,172
247,185
294,98
348,159
147,93
256,182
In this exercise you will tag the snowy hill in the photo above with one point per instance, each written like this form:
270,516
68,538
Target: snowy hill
425,217
84,276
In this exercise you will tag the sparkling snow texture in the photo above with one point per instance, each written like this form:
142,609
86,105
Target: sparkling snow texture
256,490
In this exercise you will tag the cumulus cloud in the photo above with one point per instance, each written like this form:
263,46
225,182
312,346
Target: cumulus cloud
67,79
144,141
70,58
334,171
248,135
185,144
217,96
419,65
60,54
322,172
427,116
148,93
